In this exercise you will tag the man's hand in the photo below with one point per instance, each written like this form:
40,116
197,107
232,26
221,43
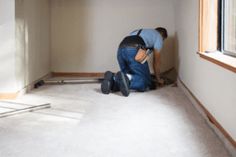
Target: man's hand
161,82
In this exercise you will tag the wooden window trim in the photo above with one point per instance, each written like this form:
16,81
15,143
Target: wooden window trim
208,25
216,57
220,59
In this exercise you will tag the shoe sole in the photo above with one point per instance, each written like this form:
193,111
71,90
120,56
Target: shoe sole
107,82
123,84
106,87
108,75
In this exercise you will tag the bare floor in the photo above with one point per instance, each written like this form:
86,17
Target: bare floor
85,123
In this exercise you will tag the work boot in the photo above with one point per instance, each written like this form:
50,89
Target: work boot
107,83
123,83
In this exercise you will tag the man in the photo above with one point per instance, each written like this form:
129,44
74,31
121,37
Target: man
135,75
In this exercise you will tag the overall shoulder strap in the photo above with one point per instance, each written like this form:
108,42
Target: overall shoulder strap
139,32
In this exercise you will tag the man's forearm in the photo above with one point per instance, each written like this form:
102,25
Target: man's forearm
156,64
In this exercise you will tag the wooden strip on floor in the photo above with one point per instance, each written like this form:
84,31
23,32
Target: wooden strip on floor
5,112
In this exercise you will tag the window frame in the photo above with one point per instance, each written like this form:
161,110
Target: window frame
221,25
216,56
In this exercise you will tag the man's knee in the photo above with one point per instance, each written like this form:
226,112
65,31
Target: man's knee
138,84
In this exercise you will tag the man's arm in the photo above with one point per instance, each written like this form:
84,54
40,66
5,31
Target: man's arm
156,65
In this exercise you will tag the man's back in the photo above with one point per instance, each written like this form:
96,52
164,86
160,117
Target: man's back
151,37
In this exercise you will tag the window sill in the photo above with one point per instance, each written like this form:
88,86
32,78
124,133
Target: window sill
220,59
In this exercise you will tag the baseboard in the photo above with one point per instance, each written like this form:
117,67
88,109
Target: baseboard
229,142
91,74
26,89
30,86
8,96
69,74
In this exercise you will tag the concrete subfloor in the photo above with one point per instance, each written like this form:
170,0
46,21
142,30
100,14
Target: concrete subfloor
85,123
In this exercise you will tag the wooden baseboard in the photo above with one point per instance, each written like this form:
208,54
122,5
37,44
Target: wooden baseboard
26,89
8,95
210,117
88,74
68,74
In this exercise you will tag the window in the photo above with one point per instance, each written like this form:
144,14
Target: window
217,32
229,27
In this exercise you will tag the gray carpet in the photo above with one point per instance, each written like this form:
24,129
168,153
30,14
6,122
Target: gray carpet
85,123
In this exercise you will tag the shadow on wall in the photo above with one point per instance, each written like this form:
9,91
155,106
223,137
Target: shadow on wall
168,54
168,60
177,57
32,40
20,45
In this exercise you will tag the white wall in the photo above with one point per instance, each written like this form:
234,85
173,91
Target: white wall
7,46
213,85
24,43
33,40
85,34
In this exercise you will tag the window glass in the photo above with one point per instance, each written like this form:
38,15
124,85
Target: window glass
229,26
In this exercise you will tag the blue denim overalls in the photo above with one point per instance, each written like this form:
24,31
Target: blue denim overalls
141,77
